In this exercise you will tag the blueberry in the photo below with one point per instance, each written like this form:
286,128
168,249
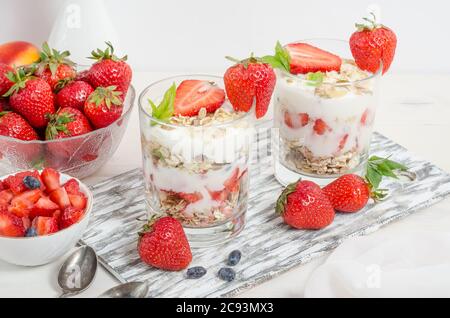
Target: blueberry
31,182
196,272
234,258
31,232
227,274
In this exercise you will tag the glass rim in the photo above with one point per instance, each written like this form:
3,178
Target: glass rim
141,103
309,40
131,90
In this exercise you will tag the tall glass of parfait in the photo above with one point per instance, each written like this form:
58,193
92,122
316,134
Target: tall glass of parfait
196,151
324,119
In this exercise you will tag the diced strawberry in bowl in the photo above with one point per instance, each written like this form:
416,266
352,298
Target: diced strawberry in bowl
42,215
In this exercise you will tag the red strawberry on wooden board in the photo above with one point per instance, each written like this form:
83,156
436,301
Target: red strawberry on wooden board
303,205
163,244
110,70
350,193
5,82
31,97
74,95
371,44
303,58
54,66
104,106
15,126
193,95
250,82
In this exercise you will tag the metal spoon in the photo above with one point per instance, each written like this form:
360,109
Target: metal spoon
127,290
78,271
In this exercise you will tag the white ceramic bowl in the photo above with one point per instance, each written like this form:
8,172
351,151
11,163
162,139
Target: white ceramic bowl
40,250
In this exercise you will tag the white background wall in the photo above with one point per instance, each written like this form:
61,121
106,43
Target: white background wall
194,35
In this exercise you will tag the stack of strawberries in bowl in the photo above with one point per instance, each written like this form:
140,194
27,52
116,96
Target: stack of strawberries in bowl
41,207
52,115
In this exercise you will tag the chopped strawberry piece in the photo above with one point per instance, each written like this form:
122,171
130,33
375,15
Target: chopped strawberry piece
45,225
5,197
15,182
60,197
320,127
10,224
78,201
288,120
72,186
50,178
306,58
26,222
22,204
342,142
232,183
192,95
190,197
219,196
304,119
43,207
71,215
364,117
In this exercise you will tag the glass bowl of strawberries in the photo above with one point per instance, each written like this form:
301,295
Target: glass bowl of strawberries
43,214
53,114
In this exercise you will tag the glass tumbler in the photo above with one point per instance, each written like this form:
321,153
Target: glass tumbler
196,170
324,129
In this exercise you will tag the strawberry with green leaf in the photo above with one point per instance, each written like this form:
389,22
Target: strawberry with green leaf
31,97
54,66
67,122
104,106
250,82
165,109
110,70
350,193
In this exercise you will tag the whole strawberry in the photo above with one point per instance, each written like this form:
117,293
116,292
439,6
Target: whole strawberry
350,193
164,245
54,66
371,44
5,82
31,97
74,95
104,106
303,205
250,81
109,70
67,122
13,125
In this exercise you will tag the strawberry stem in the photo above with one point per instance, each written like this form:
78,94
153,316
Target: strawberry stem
107,54
282,199
108,95
370,25
52,59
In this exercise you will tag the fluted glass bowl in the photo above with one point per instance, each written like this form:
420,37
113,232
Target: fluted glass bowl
78,156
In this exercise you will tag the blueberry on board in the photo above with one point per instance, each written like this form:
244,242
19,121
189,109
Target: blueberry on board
196,272
31,232
31,182
227,274
234,258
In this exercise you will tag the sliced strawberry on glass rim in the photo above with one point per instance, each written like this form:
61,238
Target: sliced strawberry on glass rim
193,95
305,58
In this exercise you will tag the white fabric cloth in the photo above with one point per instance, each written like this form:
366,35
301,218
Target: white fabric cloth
402,265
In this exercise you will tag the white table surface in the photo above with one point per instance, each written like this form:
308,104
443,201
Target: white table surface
415,112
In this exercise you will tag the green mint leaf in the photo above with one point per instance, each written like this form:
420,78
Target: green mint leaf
374,178
164,110
395,165
315,78
280,60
